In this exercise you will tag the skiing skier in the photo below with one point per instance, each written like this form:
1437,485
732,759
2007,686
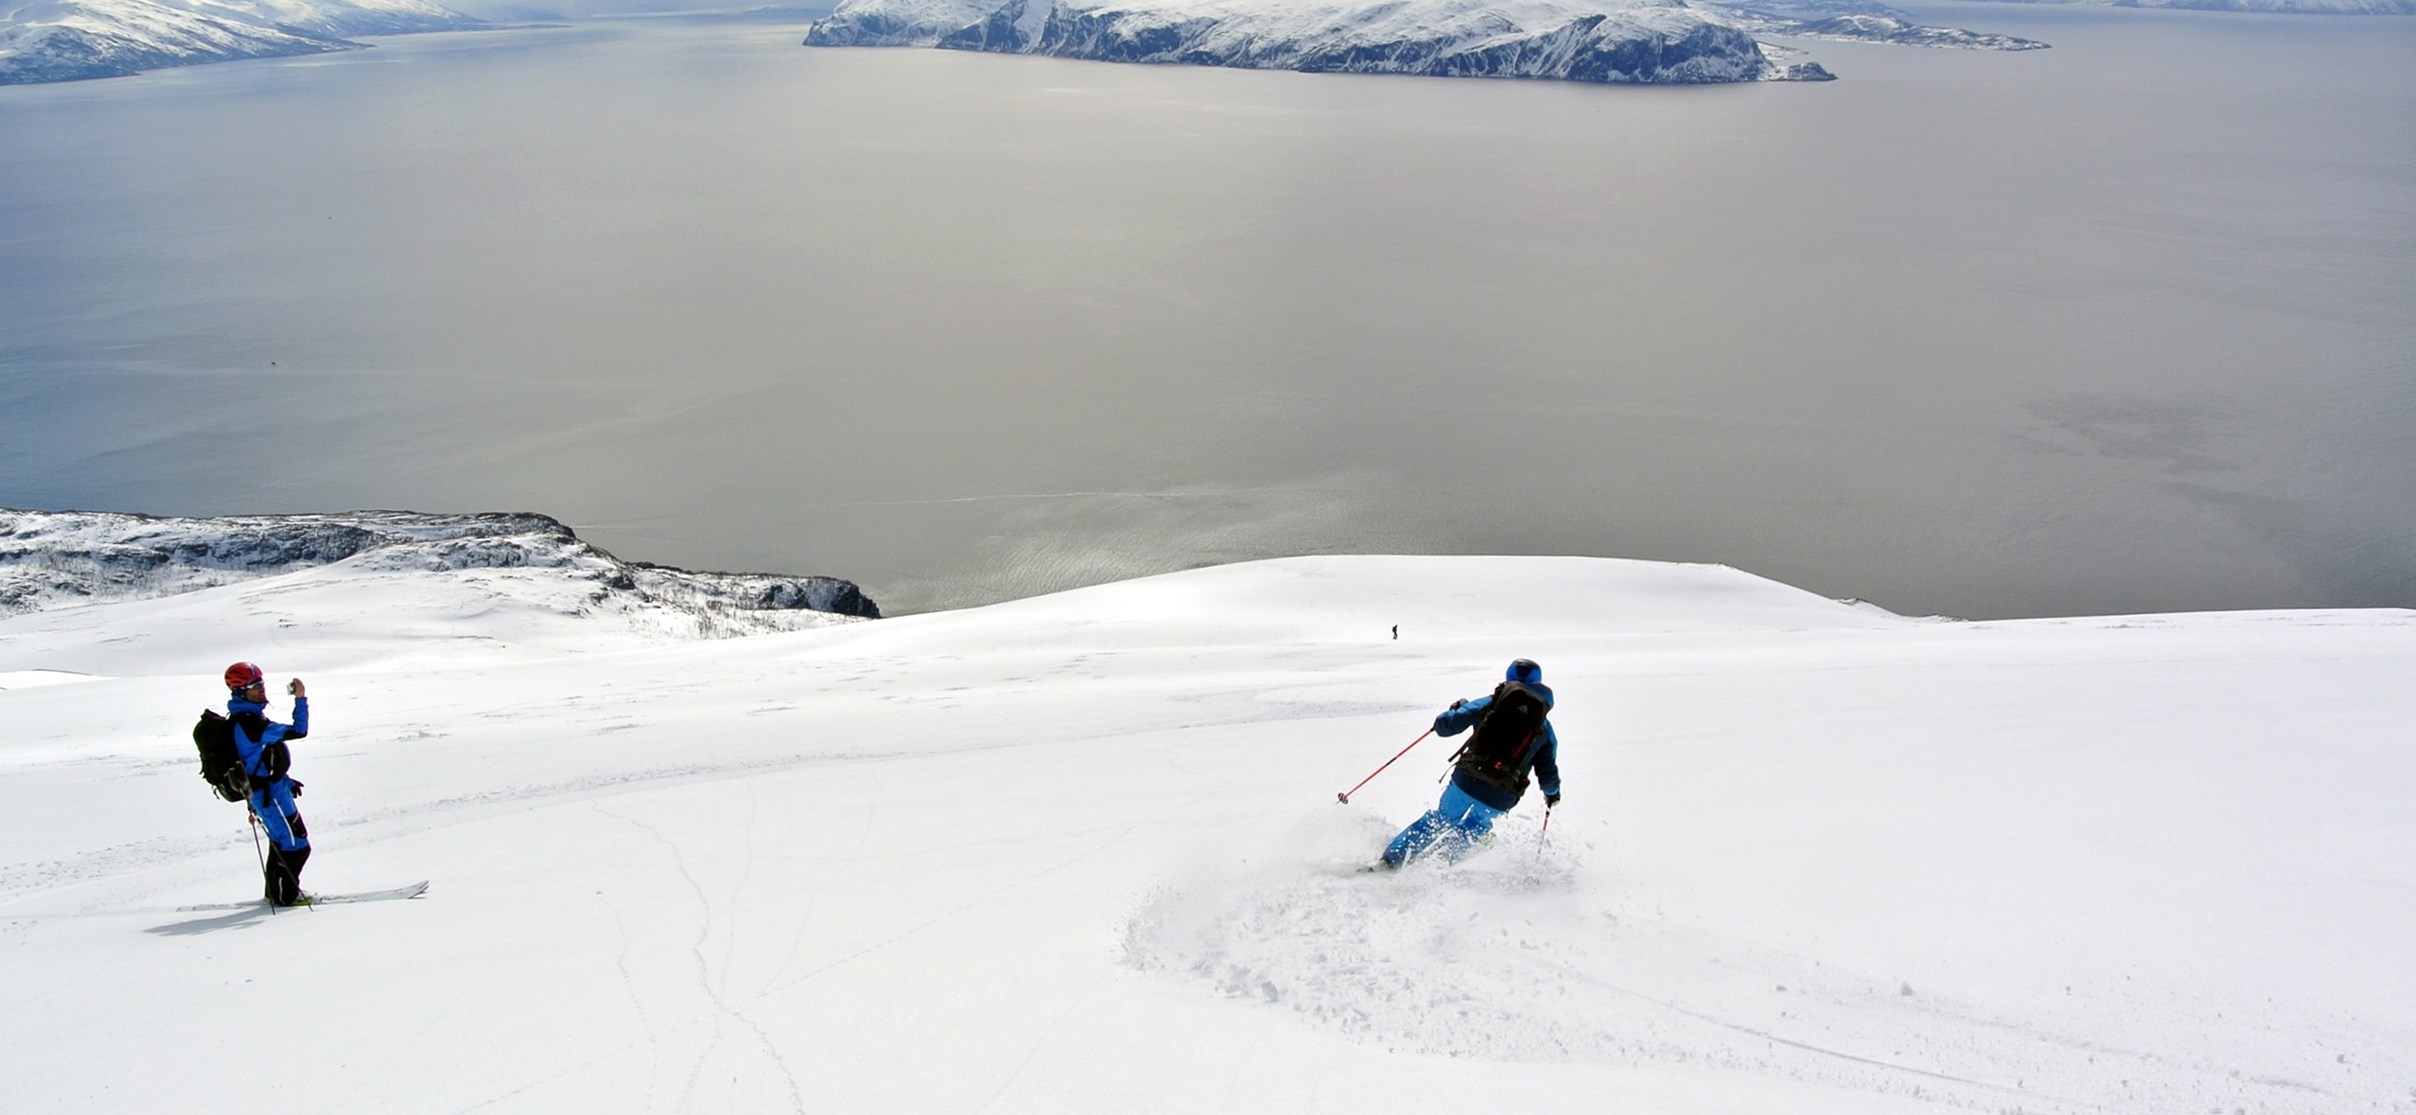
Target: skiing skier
1489,772
261,743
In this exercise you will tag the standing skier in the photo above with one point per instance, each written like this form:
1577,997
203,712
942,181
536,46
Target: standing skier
260,742
1489,772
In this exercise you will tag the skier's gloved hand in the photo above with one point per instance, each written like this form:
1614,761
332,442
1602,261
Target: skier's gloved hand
1551,800
1459,704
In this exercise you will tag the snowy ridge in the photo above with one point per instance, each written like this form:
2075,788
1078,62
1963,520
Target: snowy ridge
342,17
1854,21
2288,7
66,40
1574,40
55,560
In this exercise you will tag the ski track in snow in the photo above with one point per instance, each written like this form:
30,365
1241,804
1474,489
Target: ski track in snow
948,915
1477,960
712,985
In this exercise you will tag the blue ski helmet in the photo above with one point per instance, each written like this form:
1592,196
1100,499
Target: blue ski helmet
1525,672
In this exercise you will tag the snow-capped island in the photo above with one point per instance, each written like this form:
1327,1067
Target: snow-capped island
70,40
1608,41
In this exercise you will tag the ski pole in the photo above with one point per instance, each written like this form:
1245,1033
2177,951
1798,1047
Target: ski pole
1345,796
257,854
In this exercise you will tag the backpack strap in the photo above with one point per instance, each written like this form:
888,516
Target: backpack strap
1491,703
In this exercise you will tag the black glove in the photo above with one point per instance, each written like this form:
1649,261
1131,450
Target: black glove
1551,800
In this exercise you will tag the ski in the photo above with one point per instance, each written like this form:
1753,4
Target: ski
412,891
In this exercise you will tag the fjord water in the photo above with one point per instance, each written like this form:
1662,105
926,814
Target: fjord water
2124,325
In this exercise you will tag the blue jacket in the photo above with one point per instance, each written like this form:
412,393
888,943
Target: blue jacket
1544,752
248,718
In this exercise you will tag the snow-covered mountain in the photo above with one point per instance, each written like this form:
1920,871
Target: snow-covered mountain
1081,854
66,40
1672,41
2300,7
527,562
1650,41
1860,21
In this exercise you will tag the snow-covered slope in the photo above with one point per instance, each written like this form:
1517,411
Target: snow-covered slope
65,40
1081,854
1660,41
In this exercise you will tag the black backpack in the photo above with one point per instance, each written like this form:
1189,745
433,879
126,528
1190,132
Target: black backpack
1501,750
221,765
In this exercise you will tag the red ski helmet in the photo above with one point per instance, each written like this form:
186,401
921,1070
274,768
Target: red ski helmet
242,676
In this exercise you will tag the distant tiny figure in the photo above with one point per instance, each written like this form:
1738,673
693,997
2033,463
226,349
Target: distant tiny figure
261,742
1489,772
1396,632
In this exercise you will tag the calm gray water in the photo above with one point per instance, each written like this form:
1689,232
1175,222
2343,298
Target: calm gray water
2125,325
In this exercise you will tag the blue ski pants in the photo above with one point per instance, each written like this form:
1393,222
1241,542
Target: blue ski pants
1449,829
274,805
